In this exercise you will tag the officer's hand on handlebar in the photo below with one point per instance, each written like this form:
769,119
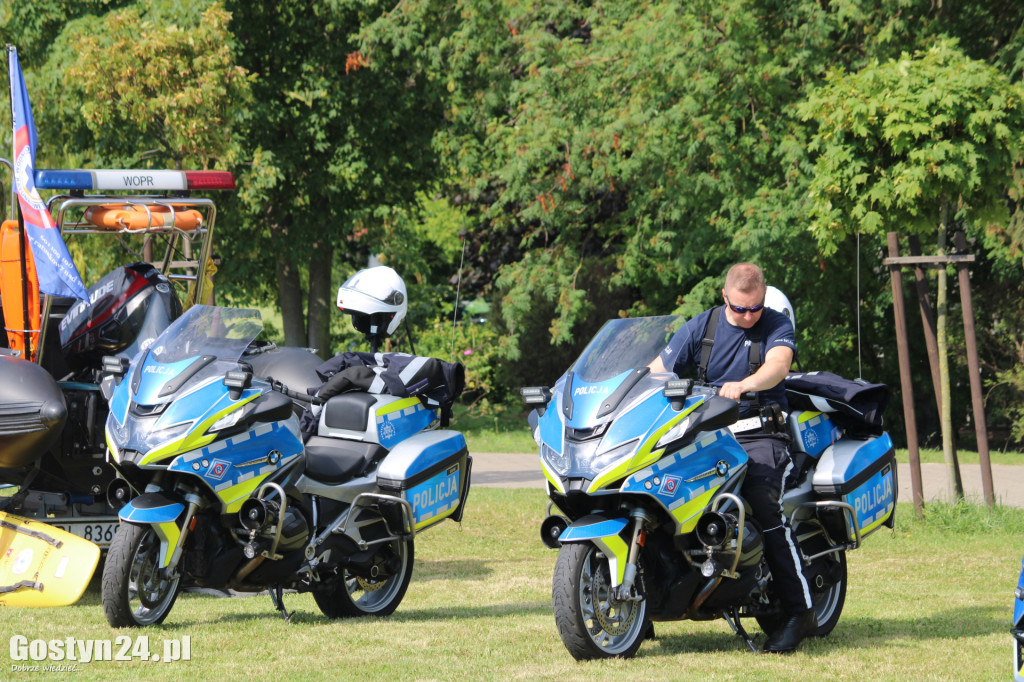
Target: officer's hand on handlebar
735,390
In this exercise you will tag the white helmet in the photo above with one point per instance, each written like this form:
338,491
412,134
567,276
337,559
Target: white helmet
376,300
776,300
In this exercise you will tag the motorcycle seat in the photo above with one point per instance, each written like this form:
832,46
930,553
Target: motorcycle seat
334,460
350,411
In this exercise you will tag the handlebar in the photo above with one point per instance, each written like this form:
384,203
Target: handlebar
749,395
295,395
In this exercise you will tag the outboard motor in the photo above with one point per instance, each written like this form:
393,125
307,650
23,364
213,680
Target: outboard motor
126,310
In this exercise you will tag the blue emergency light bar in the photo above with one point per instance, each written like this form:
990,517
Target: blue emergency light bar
133,180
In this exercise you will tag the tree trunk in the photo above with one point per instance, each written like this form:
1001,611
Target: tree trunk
289,298
321,299
954,486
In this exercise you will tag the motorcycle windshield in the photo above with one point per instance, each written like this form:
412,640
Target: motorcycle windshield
608,375
624,345
604,373
205,341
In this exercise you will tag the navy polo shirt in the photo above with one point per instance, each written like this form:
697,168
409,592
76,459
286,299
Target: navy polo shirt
730,356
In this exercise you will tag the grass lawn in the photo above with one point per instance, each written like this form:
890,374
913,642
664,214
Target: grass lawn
505,429
502,429
932,600
964,457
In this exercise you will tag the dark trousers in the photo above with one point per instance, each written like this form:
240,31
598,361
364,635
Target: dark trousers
763,487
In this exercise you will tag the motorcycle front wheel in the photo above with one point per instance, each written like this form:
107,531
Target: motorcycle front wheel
134,592
592,622
355,595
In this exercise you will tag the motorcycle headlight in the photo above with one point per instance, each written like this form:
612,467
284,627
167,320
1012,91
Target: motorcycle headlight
607,459
227,421
556,460
167,435
674,433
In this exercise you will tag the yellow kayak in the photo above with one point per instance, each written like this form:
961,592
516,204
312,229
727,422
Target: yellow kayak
41,565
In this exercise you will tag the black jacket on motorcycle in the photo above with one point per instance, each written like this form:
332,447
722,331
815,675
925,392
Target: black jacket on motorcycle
436,383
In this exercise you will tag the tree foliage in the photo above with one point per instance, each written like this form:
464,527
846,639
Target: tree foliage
585,159
137,88
898,139
337,139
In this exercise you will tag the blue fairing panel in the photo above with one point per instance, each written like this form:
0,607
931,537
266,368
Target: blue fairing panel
1018,605
592,528
147,510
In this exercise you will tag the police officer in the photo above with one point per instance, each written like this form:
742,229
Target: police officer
728,333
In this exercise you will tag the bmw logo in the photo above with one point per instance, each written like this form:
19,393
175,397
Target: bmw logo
274,457
722,468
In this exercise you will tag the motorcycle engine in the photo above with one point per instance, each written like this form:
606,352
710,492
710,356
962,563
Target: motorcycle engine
263,516
718,529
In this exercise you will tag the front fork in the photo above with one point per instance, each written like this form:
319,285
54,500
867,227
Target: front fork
172,537
625,590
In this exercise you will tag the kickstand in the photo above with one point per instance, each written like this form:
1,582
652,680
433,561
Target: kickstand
733,619
277,596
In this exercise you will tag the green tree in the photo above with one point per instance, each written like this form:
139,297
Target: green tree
914,145
338,135
133,87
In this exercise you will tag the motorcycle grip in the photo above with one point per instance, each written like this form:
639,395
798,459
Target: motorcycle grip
296,395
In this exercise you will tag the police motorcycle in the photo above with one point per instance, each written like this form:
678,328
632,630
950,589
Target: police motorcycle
1018,627
52,412
651,525
220,490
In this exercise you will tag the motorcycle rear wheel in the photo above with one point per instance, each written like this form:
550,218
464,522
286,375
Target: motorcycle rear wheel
828,604
352,596
594,624
134,594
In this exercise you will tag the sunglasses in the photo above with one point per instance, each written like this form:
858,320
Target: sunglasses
741,310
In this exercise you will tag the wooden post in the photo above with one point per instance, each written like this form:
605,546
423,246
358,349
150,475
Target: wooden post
927,320
954,484
980,426
906,388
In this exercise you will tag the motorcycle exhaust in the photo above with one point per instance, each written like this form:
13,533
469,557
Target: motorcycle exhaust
551,529
119,493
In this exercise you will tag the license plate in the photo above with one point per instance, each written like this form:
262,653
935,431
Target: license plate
99,532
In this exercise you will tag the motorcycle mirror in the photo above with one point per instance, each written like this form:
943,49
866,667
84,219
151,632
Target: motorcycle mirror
107,384
237,380
535,395
533,419
677,388
116,366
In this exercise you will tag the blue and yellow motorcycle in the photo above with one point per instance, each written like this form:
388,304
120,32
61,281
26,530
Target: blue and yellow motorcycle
1018,627
652,525
216,487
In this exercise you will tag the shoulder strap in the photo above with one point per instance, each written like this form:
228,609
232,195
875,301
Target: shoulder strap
707,343
754,356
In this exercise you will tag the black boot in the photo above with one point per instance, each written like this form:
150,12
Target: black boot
788,637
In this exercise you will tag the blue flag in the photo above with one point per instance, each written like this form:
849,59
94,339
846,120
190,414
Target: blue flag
57,273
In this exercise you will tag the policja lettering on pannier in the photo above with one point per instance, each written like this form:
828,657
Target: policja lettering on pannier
436,493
